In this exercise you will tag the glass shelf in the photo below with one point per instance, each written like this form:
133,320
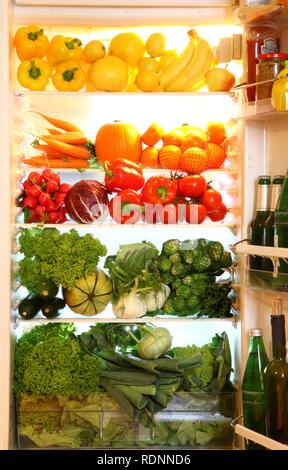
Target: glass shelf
264,281
260,13
96,319
257,110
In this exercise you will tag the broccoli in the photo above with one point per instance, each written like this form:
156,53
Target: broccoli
49,359
170,247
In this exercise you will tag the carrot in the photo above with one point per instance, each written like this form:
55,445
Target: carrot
75,138
48,151
68,149
64,125
56,163
53,131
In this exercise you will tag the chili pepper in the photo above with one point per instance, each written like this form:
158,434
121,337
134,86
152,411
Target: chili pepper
30,42
62,49
68,77
123,174
159,190
127,207
34,74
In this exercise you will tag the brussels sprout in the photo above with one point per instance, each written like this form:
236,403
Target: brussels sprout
201,263
170,247
167,278
164,264
175,258
168,306
226,259
183,291
188,256
178,269
175,284
215,250
193,302
188,280
179,304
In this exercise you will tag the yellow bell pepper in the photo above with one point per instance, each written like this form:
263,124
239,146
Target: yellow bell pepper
62,49
34,74
280,91
30,42
69,77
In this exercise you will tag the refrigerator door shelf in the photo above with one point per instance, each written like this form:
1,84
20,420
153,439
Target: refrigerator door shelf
266,442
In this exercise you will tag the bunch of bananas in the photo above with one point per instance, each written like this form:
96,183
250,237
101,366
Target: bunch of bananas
189,70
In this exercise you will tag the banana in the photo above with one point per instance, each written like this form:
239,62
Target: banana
195,70
176,67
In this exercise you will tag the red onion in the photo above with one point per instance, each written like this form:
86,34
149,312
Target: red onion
86,201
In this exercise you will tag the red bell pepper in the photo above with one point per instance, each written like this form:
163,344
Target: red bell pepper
159,190
127,207
123,174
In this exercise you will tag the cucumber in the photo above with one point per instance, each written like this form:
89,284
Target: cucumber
50,308
30,306
47,289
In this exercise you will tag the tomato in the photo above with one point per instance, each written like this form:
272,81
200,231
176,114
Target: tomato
168,214
29,202
219,213
195,213
59,200
64,188
211,199
192,186
35,178
44,199
32,190
51,186
127,207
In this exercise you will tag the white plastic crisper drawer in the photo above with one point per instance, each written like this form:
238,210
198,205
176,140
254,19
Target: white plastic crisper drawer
127,3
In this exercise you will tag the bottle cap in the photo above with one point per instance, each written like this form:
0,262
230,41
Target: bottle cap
277,307
255,332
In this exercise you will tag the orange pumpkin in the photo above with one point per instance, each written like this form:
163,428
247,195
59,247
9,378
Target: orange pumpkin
118,140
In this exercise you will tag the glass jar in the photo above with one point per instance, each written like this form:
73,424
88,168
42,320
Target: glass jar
267,68
262,39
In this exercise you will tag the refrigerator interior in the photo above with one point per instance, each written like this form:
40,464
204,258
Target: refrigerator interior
259,149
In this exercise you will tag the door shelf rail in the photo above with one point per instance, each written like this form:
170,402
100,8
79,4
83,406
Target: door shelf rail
264,441
273,253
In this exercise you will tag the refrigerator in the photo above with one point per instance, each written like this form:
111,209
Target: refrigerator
258,137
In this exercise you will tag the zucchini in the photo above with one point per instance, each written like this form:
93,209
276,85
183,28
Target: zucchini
47,289
30,306
50,308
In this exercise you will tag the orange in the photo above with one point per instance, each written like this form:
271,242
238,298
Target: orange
152,135
216,132
172,138
193,160
169,156
216,156
149,157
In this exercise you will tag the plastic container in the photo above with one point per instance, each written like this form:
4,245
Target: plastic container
194,419
267,68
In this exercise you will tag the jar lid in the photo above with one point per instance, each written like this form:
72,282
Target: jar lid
278,55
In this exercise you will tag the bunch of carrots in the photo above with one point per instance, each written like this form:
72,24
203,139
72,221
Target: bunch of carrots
63,147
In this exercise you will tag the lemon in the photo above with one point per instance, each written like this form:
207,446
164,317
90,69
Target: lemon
155,44
94,50
147,81
128,46
167,59
109,74
147,63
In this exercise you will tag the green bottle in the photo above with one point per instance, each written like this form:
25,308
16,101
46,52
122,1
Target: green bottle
253,387
257,232
276,378
269,224
281,224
